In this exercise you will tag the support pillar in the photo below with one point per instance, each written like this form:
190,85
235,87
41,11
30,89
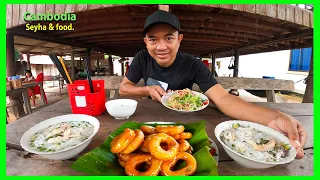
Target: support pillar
235,70
308,94
122,68
16,103
213,65
236,63
72,64
110,65
98,64
28,61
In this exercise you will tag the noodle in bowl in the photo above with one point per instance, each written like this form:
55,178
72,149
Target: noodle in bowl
254,145
61,137
185,100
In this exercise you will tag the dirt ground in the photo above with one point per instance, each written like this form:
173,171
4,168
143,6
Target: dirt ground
290,98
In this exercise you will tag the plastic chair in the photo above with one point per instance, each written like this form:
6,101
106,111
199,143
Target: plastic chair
36,89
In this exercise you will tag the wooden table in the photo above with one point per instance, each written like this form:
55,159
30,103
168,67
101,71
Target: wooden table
19,162
24,91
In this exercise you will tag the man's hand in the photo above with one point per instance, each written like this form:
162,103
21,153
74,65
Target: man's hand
289,126
155,92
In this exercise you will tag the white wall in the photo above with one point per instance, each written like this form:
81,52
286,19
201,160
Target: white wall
116,67
264,64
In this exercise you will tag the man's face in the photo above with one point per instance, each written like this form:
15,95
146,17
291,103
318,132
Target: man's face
163,42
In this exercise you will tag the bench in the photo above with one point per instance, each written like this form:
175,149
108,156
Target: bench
112,85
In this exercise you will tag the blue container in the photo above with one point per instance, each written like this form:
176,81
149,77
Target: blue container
268,77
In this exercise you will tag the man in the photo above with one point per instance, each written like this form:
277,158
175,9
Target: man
163,67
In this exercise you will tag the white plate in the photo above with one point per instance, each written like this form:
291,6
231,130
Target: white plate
164,101
213,145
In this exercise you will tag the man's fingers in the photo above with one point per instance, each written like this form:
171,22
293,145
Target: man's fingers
157,96
302,135
300,154
293,135
160,90
168,91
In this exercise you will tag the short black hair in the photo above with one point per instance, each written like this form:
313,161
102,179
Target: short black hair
28,71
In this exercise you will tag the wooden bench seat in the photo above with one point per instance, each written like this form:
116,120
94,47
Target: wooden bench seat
112,83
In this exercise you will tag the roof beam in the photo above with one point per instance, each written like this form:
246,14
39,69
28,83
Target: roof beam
54,48
20,31
278,39
232,19
35,46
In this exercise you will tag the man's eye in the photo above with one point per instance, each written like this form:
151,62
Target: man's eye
152,40
169,38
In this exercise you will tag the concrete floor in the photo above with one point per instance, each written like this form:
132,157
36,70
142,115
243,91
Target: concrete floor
53,96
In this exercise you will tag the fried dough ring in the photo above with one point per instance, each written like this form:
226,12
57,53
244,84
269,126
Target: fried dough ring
120,142
183,145
170,130
125,157
138,159
122,163
186,171
156,149
189,150
183,135
148,129
135,143
145,145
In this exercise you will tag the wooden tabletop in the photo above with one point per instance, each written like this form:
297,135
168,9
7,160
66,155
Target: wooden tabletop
22,163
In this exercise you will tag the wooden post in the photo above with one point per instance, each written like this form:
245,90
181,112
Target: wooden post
80,63
122,68
235,70
28,61
16,108
98,65
236,63
271,97
72,64
11,63
88,59
213,65
110,65
308,94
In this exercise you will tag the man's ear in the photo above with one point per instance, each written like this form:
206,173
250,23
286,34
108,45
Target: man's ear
145,40
180,37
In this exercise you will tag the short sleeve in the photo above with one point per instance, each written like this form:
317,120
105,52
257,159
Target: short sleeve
134,73
202,76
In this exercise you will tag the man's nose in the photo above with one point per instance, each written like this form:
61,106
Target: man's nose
162,45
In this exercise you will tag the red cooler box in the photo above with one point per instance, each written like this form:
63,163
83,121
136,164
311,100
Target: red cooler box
84,102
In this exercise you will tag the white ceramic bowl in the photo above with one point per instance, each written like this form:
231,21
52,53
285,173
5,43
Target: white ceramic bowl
246,161
121,108
164,101
65,153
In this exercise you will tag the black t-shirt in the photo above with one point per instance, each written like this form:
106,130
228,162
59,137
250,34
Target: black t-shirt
185,71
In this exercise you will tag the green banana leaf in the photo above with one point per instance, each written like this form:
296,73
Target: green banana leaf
101,161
